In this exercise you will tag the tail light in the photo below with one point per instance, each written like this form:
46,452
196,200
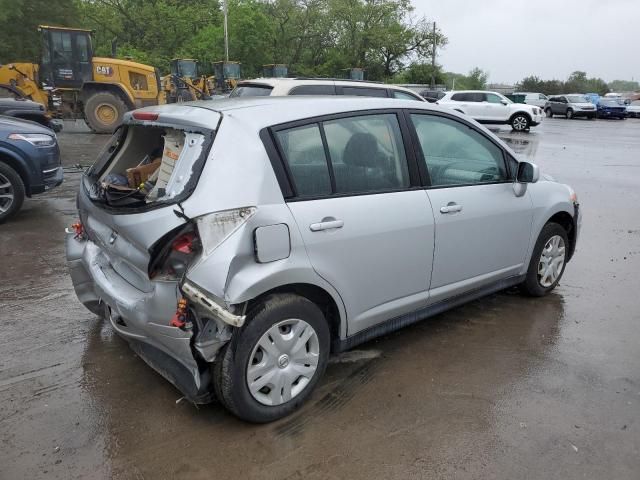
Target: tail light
172,254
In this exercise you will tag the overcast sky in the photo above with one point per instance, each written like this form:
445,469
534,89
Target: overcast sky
548,38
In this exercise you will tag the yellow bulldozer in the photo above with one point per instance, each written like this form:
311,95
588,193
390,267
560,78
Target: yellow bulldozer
184,82
72,83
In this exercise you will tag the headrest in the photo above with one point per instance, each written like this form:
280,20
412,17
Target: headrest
362,151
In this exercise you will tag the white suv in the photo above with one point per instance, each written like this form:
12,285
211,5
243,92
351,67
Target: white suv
277,87
491,107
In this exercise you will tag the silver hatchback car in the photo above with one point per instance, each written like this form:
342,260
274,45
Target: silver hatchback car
237,243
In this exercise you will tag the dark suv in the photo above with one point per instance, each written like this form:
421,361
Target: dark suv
29,163
574,105
14,104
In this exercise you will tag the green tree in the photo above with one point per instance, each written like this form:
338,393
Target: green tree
19,20
624,86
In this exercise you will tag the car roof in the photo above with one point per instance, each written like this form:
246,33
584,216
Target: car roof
342,82
474,91
266,111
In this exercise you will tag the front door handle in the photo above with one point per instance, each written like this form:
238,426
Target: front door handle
451,207
326,225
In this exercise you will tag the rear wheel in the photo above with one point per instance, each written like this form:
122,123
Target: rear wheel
104,112
547,261
11,192
569,113
272,364
549,113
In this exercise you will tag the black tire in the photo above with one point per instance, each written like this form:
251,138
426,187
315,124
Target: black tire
591,117
531,285
520,122
15,188
549,113
230,369
569,114
108,103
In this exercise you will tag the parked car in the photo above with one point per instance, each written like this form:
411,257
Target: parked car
276,87
432,96
611,108
13,104
633,110
29,163
493,108
537,99
574,105
279,230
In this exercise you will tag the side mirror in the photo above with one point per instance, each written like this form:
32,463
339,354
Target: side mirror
504,102
527,173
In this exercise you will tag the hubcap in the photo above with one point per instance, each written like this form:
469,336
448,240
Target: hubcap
283,362
106,113
6,194
520,123
551,261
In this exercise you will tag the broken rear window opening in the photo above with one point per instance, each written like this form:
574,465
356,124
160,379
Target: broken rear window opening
146,166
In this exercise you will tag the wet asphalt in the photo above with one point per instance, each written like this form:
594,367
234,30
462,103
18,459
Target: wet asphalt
506,387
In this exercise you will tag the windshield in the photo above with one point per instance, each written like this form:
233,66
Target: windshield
232,70
188,68
577,99
610,103
251,91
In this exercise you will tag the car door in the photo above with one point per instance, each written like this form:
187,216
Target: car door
366,223
482,227
496,110
561,106
476,106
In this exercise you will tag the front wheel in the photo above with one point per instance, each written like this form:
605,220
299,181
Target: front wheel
272,364
520,122
569,114
12,192
547,261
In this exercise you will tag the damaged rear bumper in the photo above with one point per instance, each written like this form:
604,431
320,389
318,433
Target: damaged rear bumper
142,318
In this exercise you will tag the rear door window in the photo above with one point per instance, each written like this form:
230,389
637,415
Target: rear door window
364,91
313,90
359,154
367,153
459,97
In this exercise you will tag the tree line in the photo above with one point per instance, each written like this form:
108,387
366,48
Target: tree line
313,37
577,82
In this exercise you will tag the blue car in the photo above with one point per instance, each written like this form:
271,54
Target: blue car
29,163
611,108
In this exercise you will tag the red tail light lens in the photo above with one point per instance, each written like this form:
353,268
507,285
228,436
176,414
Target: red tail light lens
172,254
184,243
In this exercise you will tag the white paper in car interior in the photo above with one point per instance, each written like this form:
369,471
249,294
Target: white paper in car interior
173,145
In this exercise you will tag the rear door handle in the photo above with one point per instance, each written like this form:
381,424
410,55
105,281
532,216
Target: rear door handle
328,225
451,208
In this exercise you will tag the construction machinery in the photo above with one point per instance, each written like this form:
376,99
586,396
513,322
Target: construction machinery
275,70
71,83
184,82
225,77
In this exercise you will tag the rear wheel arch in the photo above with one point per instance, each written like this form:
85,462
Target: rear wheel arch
319,296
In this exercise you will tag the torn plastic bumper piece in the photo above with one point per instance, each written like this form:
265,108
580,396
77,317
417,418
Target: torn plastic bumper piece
199,296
